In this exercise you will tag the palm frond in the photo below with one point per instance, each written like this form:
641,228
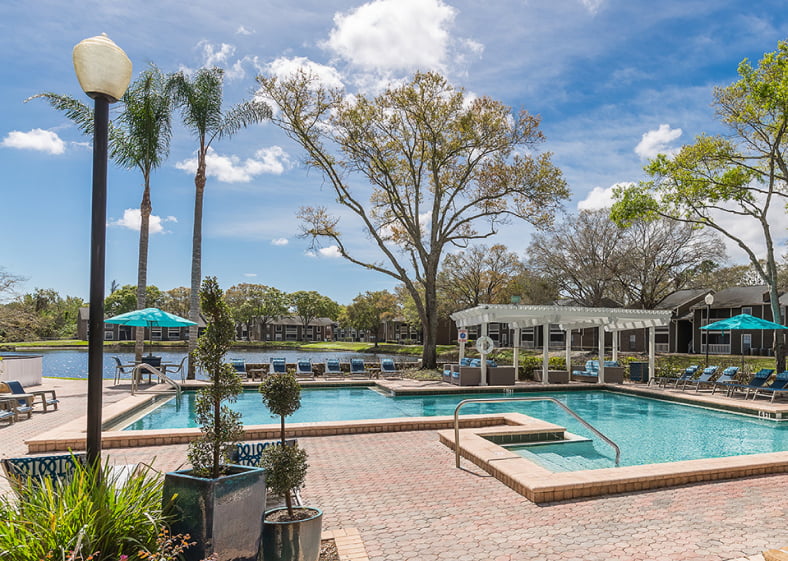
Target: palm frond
76,111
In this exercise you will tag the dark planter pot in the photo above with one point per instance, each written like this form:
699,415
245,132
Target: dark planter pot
293,541
224,515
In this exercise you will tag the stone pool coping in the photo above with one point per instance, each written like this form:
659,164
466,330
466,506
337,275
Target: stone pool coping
540,485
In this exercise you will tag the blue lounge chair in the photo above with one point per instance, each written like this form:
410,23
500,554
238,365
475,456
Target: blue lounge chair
239,365
304,369
357,368
23,401
706,377
778,386
687,374
333,369
388,369
16,388
726,379
757,381
278,366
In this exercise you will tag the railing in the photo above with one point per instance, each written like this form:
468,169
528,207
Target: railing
507,399
136,375
716,349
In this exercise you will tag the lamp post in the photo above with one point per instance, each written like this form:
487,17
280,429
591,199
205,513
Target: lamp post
709,301
104,73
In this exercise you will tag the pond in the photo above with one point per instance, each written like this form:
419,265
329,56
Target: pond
73,363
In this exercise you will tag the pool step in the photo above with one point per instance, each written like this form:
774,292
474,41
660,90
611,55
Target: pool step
568,455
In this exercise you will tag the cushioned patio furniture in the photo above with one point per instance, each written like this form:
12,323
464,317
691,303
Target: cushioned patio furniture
304,370
758,381
725,380
706,377
20,471
21,402
358,370
8,410
467,376
687,374
778,387
389,370
447,370
48,397
333,369
614,372
278,366
239,365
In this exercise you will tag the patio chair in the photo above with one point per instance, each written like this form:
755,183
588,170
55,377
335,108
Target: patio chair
357,369
8,410
278,366
304,369
389,370
177,369
778,386
333,369
758,381
121,369
239,365
35,469
725,380
26,399
447,371
706,377
687,374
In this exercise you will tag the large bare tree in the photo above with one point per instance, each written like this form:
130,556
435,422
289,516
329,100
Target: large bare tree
421,167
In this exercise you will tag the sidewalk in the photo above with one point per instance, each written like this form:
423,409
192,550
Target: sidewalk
408,501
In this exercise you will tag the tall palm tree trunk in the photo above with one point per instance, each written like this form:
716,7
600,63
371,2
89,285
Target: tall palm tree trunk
194,297
142,266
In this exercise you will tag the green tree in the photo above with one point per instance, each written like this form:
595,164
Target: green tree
310,305
199,98
176,301
737,176
441,169
256,304
220,426
369,310
139,139
124,300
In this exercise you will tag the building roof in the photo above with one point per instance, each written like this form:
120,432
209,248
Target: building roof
681,297
738,296
566,317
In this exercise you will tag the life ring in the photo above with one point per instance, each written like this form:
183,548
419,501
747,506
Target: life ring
484,345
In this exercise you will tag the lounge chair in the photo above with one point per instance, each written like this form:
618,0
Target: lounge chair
16,389
304,369
389,370
34,469
239,365
757,381
121,369
278,366
333,369
357,368
778,386
726,379
687,374
8,410
706,377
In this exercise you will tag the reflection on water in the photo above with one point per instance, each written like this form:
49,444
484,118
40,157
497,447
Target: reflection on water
73,363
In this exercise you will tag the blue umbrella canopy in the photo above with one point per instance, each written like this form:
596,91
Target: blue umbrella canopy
742,321
150,317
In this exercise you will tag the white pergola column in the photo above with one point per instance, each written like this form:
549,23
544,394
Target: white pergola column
568,357
516,351
615,336
545,351
601,330
484,358
652,345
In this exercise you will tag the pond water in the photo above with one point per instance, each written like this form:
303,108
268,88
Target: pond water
73,363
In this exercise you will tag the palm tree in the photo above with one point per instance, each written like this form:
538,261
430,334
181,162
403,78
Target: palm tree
199,98
139,138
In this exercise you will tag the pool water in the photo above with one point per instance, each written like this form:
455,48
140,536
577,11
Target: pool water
648,431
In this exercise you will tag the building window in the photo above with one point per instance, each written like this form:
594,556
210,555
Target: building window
173,333
109,335
747,310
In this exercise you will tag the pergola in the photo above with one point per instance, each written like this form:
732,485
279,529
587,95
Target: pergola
567,318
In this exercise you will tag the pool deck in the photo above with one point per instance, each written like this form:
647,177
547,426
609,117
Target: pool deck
397,496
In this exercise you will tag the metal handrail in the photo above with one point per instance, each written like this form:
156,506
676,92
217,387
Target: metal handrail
505,399
136,374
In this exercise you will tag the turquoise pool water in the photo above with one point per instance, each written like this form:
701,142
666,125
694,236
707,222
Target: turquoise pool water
647,430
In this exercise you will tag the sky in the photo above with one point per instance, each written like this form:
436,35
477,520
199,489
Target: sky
614,81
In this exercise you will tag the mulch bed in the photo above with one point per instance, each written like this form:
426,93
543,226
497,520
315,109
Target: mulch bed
328,551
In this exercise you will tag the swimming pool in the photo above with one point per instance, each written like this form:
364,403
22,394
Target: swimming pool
648,430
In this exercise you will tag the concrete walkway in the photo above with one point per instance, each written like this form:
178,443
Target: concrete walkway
408,502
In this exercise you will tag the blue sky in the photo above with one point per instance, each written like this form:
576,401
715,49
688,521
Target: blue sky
615,82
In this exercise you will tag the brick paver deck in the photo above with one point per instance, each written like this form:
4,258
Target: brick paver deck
403,494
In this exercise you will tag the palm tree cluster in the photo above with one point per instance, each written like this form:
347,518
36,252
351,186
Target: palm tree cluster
140,139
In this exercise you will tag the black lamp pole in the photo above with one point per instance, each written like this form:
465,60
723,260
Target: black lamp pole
97,257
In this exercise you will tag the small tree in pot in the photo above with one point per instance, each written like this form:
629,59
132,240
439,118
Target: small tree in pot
203,496
288,533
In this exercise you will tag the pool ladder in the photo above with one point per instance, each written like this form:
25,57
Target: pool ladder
140,369
507,399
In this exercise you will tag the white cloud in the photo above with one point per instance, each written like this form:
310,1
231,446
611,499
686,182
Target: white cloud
243,31
215,55
231,169
600,197
132,220
656,142
36,139
592,5
280,241
284,67
393,35
332,252
250,275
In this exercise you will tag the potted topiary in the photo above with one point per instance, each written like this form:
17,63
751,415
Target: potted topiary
289,533
218,504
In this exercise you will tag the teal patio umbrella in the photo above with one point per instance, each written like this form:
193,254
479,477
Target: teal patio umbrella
743,322
150,317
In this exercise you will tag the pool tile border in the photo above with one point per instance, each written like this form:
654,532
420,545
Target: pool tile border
540,485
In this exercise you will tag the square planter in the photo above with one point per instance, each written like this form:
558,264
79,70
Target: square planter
224,515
